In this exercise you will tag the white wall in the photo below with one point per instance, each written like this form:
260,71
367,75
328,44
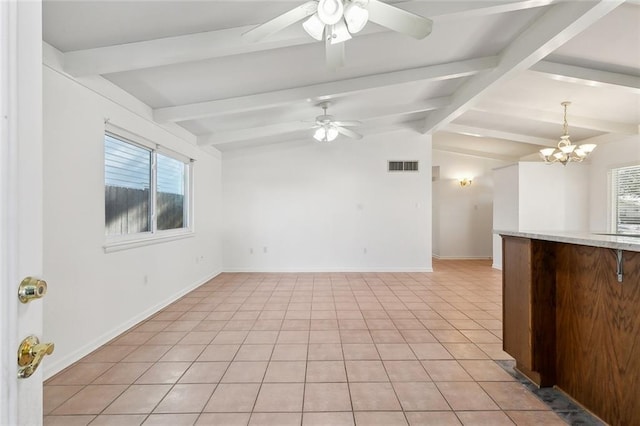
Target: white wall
534,196
306,206
462,217
94,296
506,200
607,156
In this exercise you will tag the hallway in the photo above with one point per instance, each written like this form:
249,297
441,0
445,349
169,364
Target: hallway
310,349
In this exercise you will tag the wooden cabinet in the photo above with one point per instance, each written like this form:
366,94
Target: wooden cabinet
569,323
528,291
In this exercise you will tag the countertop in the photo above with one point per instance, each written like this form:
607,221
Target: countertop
617,242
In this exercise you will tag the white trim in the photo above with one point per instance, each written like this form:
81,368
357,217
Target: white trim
138,241
495,266
325,269
60,364
437,256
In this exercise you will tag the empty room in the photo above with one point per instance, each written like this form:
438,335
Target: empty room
324,212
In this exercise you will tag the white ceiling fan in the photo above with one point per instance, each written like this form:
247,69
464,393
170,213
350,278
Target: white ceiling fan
335,21
327,129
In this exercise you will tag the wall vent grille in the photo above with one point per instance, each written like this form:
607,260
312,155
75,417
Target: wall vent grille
402,166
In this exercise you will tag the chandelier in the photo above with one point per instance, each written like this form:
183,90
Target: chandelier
566,151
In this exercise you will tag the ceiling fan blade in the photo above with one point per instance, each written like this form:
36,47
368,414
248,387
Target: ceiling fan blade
349,133
399,20
347,123
281,22
334,54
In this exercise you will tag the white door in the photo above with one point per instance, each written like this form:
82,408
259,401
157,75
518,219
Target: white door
20,202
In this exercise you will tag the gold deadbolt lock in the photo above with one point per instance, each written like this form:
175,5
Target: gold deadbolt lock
30,354
31,289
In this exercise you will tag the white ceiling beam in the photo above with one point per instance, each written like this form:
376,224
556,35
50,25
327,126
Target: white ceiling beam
514,111
497,134
227,42
588,76
322,91
245,133
556,26
473,153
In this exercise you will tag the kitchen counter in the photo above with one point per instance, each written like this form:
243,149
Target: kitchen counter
571,316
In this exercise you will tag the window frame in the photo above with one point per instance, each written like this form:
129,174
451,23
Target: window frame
613,194
153,236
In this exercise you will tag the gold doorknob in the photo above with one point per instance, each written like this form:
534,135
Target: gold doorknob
31,288
30,354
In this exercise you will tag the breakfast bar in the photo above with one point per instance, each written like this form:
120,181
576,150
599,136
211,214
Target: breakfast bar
571,313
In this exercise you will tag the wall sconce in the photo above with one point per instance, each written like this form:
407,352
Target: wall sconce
465,182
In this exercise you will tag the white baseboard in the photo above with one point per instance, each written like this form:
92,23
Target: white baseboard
498,267
324,269
461,257
54,367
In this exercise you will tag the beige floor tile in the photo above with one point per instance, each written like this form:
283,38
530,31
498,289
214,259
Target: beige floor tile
486,371
245,372
420,396
465,351
285,372
293,336
183,353
463,396
230,337
138,399
450,336
233,398
163,373
328,419
67,420
535,418
387,336
373,396
324,336
198,338
355,336
418,336
369,418
289,352
280,397
109,353
481,336
204,372
425,351
119,420
366,371
166,338
406,371
219,353
325,351
360,351
494,351
135,338
446,371
484,418
90,400
261,337
147,353
54,396
170,420
326,397
326,371
433,418
223,419
395,351
254,353
81,373
275,419
186,398
513,396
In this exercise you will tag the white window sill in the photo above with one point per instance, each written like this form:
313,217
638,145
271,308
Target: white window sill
130,243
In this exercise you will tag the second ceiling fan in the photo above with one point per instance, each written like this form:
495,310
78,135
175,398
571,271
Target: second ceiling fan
334,21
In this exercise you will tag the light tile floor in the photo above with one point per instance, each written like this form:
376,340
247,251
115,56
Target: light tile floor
309,349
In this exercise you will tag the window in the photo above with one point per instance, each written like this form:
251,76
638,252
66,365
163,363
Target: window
146,191
626,200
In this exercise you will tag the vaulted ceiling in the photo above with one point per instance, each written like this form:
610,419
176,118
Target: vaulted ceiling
487,81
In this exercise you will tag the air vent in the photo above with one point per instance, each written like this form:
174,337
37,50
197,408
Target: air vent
403,166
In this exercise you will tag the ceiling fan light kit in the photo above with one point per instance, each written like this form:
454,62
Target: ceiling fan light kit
336,20
327,129
566,151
